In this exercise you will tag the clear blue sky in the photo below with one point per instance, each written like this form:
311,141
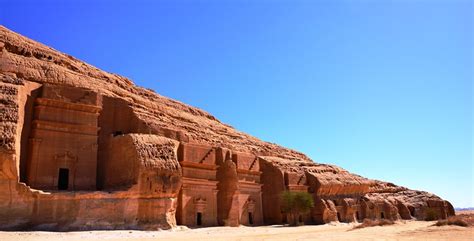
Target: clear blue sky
381,88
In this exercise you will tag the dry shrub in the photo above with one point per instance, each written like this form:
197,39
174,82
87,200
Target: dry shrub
431,214
463,220
372,223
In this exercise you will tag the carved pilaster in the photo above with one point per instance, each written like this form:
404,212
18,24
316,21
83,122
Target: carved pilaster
33,160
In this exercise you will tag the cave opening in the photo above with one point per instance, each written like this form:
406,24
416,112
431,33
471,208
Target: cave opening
412,211
250,218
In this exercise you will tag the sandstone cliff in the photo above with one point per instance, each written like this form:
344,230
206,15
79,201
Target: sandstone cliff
134,134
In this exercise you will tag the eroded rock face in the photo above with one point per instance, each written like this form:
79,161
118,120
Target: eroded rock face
84,149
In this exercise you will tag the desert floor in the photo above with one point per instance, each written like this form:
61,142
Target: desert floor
411,230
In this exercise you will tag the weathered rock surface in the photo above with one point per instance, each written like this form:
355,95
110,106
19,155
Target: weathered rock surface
81,148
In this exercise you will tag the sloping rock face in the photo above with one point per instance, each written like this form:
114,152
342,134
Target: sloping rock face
81,148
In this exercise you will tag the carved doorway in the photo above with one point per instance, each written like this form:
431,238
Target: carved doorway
199,219
63,179
66,164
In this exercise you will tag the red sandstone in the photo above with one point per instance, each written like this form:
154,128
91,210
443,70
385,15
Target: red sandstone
84,149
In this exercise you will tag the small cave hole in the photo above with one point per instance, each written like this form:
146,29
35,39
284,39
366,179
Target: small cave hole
117,133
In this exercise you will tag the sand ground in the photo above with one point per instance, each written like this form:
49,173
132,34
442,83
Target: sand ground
411,230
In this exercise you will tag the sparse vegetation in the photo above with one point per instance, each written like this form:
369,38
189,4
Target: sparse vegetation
373,223
431,214
457,222
462,220
296,204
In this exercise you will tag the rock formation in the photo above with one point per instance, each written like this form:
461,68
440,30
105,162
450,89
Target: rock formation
81,148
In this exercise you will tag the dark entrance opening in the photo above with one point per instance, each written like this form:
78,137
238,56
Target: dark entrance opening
63,179
250,218
382,216
338,216
117,133
357,216
199,219
300,219
412,211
